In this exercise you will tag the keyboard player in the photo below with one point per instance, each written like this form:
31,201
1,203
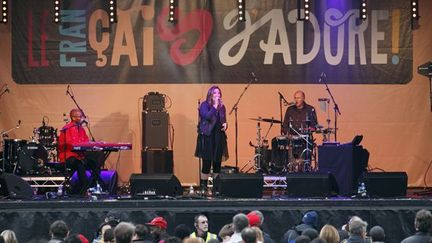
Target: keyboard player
72,133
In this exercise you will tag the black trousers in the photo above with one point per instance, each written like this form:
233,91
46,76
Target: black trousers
80,166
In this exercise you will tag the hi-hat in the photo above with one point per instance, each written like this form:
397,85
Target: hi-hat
270,120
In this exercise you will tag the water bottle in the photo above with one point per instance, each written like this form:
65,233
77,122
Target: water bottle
98,188
191,190
60,191
364,192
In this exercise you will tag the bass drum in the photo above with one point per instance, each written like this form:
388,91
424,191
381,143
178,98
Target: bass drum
31,159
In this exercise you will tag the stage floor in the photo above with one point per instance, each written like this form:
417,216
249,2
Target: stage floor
30,219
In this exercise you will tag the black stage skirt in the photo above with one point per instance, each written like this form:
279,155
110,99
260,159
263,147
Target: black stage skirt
213,147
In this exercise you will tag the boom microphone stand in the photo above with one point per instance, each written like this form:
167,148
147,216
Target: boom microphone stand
68,92
235,109
335,107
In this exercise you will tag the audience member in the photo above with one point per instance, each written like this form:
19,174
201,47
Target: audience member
108,236
201,228
73,238
309,221
248,235
377,234
172,239
423,227
142,234
259,233
302,239
226,232
9,236
259,223
357,231
329,234
124,232
182,231
311,233
158,228
240,221
58,231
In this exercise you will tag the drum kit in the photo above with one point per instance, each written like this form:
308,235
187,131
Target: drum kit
294,152
29,157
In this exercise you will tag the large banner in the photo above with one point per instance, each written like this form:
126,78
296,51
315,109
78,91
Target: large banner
208,44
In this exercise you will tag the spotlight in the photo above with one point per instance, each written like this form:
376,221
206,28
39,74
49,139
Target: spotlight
113,11
172,11
415,9
363,10
4,18
303,9
57,8
241,8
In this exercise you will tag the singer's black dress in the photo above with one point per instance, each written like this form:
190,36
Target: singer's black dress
211,141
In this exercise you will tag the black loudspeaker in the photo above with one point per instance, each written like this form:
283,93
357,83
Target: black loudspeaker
155,185
155,130
153,101
238,185
157,161
386,184
311,185
14,187
346,162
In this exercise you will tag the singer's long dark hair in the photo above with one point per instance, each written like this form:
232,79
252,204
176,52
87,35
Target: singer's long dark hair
210,94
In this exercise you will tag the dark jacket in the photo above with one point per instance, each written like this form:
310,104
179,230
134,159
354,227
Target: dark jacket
419,237
208,117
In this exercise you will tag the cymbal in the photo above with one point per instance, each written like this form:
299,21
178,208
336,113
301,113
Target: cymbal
269,120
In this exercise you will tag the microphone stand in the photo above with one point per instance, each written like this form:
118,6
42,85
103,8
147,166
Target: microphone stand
235,109
82,112
335,107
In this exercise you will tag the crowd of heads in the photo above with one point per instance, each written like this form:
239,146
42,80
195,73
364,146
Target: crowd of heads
245,228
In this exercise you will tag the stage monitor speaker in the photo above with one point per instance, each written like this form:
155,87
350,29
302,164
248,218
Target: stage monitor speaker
155,130
109,178
386,184
238,185
157,161
14,187
311,185
145,185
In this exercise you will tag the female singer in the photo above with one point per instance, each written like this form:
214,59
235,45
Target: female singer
212,141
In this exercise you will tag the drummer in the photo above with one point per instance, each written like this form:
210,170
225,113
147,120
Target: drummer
300,116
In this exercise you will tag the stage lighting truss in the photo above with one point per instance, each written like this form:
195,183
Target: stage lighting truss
415,9
363,10
241,8
172,11
4,12
112,11
57,7
303,10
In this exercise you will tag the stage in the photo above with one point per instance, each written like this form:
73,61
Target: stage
30,219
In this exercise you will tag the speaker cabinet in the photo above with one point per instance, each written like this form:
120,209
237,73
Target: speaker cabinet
14,187
155,130
157,161
238,185
311,185
109,178
155,185
153,101
386,184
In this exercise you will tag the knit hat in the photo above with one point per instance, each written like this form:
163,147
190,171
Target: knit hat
254,219
158,221
310,218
